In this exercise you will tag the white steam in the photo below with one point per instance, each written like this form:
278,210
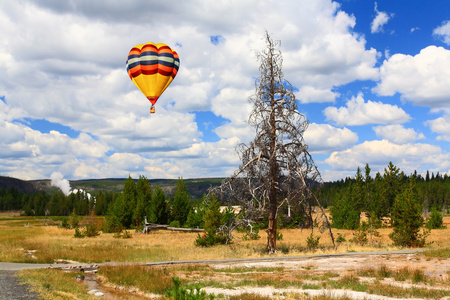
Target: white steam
58,180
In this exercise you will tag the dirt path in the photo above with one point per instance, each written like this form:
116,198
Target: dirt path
11,289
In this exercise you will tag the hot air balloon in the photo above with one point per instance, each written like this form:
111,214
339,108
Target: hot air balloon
152,67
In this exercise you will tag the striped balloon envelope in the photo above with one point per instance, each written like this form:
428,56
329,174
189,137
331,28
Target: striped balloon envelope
152,68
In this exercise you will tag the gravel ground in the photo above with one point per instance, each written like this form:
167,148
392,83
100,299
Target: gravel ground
11,289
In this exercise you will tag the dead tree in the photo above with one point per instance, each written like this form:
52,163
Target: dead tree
276,168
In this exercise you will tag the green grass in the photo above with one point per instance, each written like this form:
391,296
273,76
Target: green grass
402,274
146,279
54,284
437,253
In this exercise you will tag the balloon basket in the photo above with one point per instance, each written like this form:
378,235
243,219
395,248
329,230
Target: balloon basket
152,109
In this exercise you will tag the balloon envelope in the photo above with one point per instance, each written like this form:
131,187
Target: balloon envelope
152,67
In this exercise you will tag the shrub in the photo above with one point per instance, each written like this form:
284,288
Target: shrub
251,233
92,227
340,239
209,240
112,224
91,230
312,243
74,220
181,293
78,233
65,223
126,235
279,236
435,220
175,224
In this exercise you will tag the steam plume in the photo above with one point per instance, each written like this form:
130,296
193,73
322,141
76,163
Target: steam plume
57,179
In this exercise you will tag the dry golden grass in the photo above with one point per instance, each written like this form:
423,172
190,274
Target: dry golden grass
52,242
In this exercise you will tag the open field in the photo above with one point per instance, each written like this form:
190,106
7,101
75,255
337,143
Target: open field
21,236
27,239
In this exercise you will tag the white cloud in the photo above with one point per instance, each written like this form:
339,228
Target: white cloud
443,32
441,126
324,138
310,94
381,19
65,62
422,79
397,134
408,157
358,112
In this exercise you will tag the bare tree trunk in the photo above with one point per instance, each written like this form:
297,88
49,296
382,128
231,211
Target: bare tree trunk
272,229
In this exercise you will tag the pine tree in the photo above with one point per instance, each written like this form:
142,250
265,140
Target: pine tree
407,219
143,198
158,211
392,183
213,216
128,203
181,203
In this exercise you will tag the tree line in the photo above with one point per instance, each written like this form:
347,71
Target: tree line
389,199
128,209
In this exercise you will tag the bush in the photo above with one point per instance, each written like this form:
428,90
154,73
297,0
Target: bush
112,224
340,239
175,224
279,236
74,220
91,230
65,223
251,233
181,293
93,226
78,233
435,220
312,243
209,240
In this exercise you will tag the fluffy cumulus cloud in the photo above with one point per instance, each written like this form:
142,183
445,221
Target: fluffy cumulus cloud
64,62
397,134
381,19
359,112
443,32
441,126
310,94
422,79
408,157
323,138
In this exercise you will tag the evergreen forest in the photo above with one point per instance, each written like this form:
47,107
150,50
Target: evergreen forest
378,196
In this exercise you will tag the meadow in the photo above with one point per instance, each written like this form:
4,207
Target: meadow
41,240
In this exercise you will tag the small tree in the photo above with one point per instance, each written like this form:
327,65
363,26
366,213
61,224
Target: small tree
435,220
344,212
407,219
181,203
213,216
159,209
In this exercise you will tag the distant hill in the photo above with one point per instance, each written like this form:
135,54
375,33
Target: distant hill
26,187
197,187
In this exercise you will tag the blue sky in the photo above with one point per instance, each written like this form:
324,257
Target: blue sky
372,77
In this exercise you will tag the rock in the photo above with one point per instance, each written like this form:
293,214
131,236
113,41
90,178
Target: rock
99,294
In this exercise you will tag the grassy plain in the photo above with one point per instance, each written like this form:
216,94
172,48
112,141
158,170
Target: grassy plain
28,239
